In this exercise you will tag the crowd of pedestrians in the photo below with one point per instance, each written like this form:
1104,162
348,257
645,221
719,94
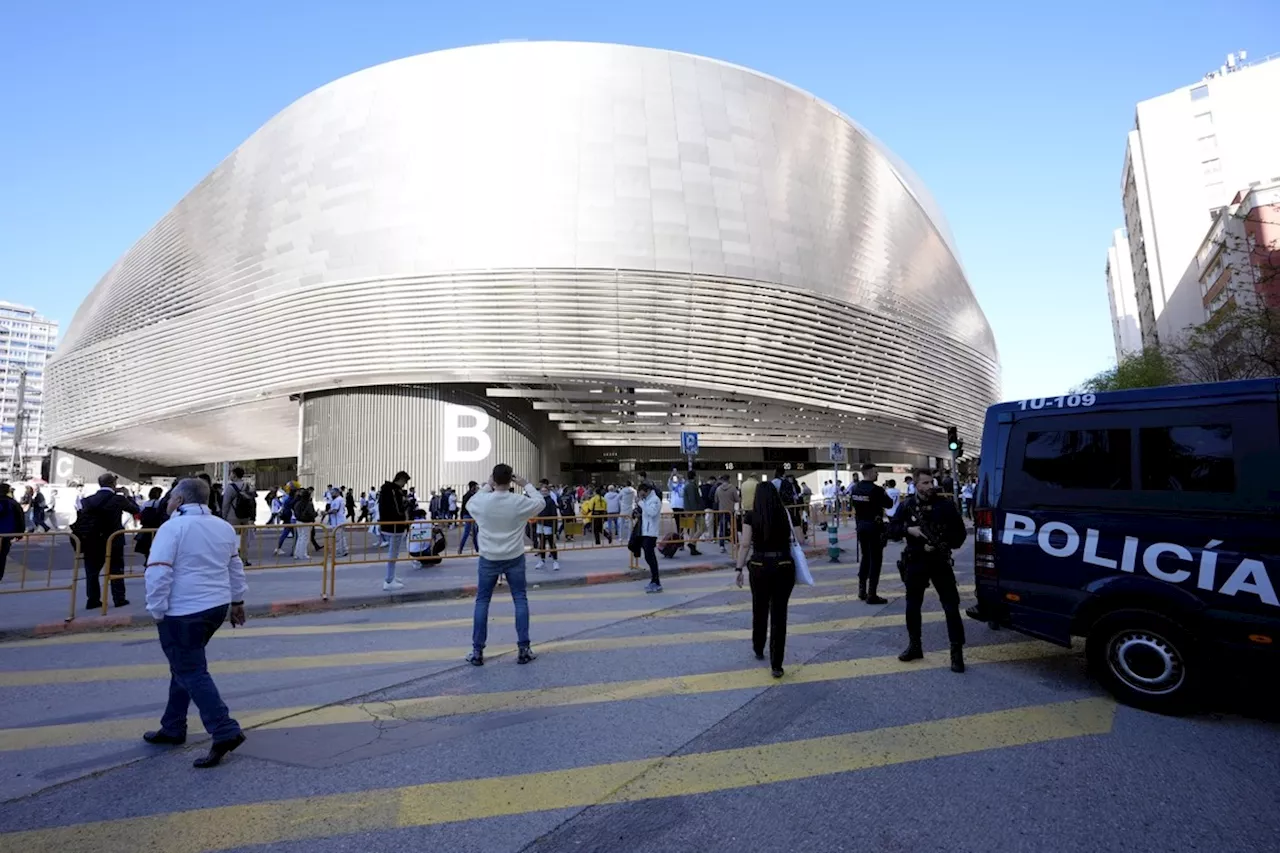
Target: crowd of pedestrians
196,557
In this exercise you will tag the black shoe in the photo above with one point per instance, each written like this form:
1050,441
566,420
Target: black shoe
219,749
694,551
526,655
862,590
777,672
913,652
93,605
476,658
164,739
759,655
875,599
957,658
247,564
124,602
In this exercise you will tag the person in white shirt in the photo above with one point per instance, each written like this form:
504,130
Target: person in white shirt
335,515
612,506
966,497
911,486
891,489
650,520
194,578
626,505
501,515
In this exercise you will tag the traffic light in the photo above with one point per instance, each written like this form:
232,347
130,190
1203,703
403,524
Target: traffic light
959,449
953,440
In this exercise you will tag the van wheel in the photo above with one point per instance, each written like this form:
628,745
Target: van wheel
1146,660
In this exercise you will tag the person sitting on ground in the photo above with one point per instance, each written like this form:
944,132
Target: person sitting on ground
426,540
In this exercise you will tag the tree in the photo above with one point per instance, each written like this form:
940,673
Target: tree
1237,342
1147,369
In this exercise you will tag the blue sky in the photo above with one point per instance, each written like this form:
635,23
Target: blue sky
1013,113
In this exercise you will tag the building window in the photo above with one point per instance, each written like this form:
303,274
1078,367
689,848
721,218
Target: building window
1188,458
1204,121
1199,93
1208,146
1079,459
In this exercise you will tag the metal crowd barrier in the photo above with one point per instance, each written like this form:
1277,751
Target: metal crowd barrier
19,547
258,547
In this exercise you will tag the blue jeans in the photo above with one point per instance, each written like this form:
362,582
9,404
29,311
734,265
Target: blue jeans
469,529
183,638
393,551
490,570
285,534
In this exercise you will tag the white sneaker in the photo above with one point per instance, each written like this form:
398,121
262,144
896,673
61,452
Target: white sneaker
538,565
555,567
391,586
278,552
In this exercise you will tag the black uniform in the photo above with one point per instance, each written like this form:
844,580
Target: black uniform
869,503
928,560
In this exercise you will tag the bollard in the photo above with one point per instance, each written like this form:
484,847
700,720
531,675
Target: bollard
833,537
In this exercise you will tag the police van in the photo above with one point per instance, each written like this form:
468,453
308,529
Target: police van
1145,521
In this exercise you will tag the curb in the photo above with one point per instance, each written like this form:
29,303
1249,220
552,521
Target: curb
103,624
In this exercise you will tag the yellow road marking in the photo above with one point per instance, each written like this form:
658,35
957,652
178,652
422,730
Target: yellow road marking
229,827
75,675
431,707
427,624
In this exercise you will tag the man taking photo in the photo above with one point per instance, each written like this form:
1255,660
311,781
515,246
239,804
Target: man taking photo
501,515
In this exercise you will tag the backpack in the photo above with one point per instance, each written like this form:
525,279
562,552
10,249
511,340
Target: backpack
788,494
153,516
242,506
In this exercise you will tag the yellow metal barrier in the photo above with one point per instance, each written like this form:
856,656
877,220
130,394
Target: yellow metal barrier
693,528
18,549
260,549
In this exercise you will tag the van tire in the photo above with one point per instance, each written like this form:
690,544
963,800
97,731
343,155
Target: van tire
1146,660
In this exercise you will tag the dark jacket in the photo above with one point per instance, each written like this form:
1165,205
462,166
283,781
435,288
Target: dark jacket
468,496
103,510
392,505
940,522
693,497
12,518
870,501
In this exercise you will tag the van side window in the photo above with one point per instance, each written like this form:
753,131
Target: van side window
1191,458
1080,459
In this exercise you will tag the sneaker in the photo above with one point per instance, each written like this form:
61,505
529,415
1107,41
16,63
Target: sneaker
875,599
555,566
277,552
538,566
526,655
392,586
476,658
653,587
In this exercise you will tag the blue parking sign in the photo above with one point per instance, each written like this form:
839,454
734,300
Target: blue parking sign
689,443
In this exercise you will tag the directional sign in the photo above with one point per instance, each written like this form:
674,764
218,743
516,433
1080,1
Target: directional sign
689,443
837,451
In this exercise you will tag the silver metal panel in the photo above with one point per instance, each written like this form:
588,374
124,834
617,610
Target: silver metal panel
538,213
351,435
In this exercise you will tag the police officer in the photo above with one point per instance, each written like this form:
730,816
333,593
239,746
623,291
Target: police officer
932,528
869,503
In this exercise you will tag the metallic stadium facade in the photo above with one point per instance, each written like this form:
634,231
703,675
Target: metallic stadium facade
585,245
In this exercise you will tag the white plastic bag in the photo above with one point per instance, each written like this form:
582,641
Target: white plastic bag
802,564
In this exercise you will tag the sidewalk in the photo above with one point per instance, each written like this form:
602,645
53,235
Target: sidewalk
278,588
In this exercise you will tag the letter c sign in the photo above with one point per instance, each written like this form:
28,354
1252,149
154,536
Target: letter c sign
65,468
454,431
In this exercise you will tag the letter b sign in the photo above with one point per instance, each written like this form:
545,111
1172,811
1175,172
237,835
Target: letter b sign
464,422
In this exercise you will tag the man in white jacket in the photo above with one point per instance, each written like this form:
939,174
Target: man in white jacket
501,515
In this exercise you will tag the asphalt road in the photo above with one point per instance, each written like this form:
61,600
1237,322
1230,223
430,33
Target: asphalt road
645,725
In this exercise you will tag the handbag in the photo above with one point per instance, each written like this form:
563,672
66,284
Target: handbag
802,564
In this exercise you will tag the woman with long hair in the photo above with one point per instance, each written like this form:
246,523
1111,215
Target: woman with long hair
766,537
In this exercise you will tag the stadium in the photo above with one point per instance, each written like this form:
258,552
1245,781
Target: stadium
559,255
